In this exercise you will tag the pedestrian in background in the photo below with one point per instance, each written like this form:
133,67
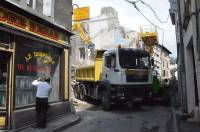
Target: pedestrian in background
42,94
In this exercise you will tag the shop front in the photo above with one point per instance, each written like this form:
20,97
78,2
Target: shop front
29,50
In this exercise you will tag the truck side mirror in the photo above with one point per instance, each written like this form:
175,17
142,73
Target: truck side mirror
152,62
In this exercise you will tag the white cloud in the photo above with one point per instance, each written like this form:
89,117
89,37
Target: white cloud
129,17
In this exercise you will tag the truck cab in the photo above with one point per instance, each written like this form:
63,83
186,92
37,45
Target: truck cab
127,66
128,72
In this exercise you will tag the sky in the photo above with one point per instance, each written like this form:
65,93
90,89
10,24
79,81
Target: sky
130,18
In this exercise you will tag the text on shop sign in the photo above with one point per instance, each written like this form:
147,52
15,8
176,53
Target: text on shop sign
45,57
8,17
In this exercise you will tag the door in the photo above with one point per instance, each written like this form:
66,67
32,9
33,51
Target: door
4,86
110,66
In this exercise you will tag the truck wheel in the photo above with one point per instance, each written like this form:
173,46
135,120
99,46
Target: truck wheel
137,105
106,101
82,93
76,92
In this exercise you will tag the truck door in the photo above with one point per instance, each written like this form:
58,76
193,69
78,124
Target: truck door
109,68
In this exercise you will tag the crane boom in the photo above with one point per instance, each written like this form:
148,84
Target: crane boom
78,26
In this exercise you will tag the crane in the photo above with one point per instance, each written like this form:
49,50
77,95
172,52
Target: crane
78,26
149,36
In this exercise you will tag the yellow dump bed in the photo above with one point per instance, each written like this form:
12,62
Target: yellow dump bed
91,73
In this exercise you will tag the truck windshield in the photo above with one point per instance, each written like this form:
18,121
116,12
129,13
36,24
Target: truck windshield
134,59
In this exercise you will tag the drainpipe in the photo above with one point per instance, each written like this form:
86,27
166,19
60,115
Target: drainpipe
182,57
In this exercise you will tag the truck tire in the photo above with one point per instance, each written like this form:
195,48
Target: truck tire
106,102
76,92
82,93
137,105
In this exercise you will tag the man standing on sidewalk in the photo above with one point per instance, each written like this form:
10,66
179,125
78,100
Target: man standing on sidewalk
42,94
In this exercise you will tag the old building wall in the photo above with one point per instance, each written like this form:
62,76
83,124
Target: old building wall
196,47
188,62
161,57
63,13
59,11
104,31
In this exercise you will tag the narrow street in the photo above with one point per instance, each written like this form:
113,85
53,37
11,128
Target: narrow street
149,118
65,63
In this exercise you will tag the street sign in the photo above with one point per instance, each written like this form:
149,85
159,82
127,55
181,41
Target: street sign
82,13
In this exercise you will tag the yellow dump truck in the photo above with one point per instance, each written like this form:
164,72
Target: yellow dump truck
118,76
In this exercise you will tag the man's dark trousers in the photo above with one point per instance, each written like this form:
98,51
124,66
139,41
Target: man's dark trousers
41,111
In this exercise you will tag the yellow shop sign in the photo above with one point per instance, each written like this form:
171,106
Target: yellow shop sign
17,21
82,13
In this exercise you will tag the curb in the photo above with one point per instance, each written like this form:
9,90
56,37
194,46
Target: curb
67,125
53,127
174,120
72,108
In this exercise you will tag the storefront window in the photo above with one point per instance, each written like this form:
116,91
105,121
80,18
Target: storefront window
5,42
34,59
3,75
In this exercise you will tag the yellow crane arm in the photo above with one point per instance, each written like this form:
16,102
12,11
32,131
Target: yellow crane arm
77,26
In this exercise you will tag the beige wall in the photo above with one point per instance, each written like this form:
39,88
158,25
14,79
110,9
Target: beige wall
162,62
190,38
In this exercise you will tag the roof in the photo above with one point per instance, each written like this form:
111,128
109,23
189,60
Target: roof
163,47
34,16
173,60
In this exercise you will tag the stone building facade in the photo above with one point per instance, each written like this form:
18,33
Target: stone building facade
161,57
186,18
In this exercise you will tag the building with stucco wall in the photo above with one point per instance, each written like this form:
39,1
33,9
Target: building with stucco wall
187,26
161,56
